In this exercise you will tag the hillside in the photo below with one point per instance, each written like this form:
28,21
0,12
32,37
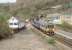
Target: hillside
26,8
48,6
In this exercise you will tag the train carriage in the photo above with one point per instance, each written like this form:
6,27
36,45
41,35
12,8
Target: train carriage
44,26
15,24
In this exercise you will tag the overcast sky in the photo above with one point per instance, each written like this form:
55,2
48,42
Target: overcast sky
6,1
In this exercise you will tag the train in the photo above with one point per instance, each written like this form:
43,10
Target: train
45,26
16,24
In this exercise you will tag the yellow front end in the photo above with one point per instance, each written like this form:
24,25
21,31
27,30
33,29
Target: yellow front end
50,31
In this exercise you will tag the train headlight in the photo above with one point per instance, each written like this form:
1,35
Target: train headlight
53,29
47,29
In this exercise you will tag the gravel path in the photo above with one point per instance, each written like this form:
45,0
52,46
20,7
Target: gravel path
25,40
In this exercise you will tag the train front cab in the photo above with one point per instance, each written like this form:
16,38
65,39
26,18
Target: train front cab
50,30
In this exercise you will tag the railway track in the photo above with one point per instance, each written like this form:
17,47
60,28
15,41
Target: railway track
60,38
63,40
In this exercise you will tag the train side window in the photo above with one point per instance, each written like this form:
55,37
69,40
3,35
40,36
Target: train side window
15,23
11,23
50,26
46,27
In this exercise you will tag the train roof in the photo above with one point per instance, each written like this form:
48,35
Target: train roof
16,19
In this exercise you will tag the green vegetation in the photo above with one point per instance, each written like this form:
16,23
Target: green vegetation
51,40
22,12
66,26
68,5
4,30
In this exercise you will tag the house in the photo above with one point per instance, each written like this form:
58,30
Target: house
55,18
67,18
59,18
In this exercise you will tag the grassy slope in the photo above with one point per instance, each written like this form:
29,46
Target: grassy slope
4,16
66,27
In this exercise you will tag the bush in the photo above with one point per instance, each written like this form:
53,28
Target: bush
51,41
66,26
4,30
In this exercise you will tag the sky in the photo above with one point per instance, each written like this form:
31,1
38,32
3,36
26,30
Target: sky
6,1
